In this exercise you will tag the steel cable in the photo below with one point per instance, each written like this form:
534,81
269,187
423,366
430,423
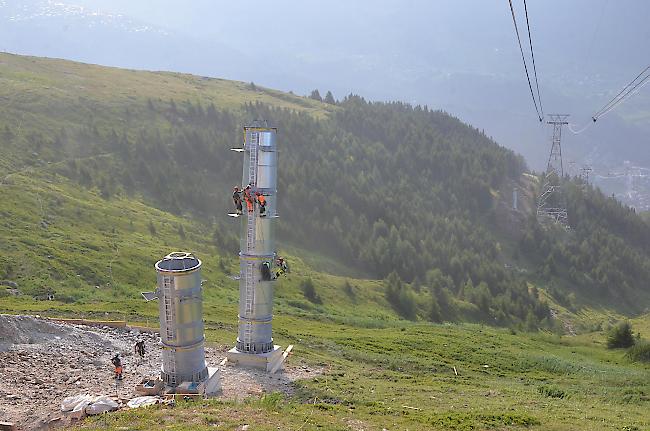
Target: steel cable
623,94
523,58
532,54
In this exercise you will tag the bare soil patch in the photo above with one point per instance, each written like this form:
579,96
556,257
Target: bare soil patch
42,362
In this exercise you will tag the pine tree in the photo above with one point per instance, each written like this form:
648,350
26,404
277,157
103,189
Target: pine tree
620,336
316,95
329,98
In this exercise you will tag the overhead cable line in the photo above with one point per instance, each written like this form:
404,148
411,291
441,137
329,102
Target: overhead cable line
621,92
532,54
631,92
523,58
639,81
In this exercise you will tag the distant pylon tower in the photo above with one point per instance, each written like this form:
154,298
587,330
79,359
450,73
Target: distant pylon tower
585,171
550,204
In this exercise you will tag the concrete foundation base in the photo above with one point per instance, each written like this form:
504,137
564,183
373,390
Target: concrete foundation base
210,387
264,361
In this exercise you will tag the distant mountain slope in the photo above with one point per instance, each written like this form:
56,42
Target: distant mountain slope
59,83
388,187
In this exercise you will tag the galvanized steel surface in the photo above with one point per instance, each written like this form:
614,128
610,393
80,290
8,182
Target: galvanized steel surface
257,242
181,318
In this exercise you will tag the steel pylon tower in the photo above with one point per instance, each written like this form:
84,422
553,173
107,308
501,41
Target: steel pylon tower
585,171
550,203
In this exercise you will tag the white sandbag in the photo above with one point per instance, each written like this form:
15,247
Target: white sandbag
70,403
79,411
100,405
142,402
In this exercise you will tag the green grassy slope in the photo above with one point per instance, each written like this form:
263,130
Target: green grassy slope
66,82
96,255
402,377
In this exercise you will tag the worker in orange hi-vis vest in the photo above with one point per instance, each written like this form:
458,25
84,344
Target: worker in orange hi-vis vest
117,362
261,200
249,198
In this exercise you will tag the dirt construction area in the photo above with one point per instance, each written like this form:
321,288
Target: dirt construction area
43,362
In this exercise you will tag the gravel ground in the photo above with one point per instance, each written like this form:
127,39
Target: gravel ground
42,362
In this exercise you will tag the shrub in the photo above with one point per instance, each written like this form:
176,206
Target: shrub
303,305
348,289
152,228
309,290
640,352
620,336
551,392
400,296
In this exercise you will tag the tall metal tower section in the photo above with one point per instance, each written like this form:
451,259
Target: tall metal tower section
550,203
257,255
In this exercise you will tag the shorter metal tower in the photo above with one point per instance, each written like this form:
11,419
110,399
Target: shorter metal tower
585,172
550,203
180,305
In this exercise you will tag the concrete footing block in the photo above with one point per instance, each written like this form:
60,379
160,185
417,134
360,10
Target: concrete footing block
263,361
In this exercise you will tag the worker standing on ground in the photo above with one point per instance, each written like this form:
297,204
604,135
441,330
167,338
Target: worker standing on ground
117,362
261,201
236,198
139,350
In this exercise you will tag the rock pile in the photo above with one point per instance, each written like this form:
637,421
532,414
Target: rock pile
43,362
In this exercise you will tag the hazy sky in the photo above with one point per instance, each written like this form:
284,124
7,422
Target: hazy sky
458,55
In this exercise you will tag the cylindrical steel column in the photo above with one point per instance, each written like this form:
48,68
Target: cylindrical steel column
181,319
257,248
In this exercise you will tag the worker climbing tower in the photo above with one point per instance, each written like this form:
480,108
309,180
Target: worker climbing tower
257,255
550,203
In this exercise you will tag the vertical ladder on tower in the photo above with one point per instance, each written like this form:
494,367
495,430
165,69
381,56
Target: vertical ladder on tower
248,304
253,147
252,180
250,232
168,283
168,304
171,361
248,336
250,290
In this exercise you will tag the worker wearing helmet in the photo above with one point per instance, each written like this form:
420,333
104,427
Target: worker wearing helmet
236,198
117,362
248,198
261,201
282,267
